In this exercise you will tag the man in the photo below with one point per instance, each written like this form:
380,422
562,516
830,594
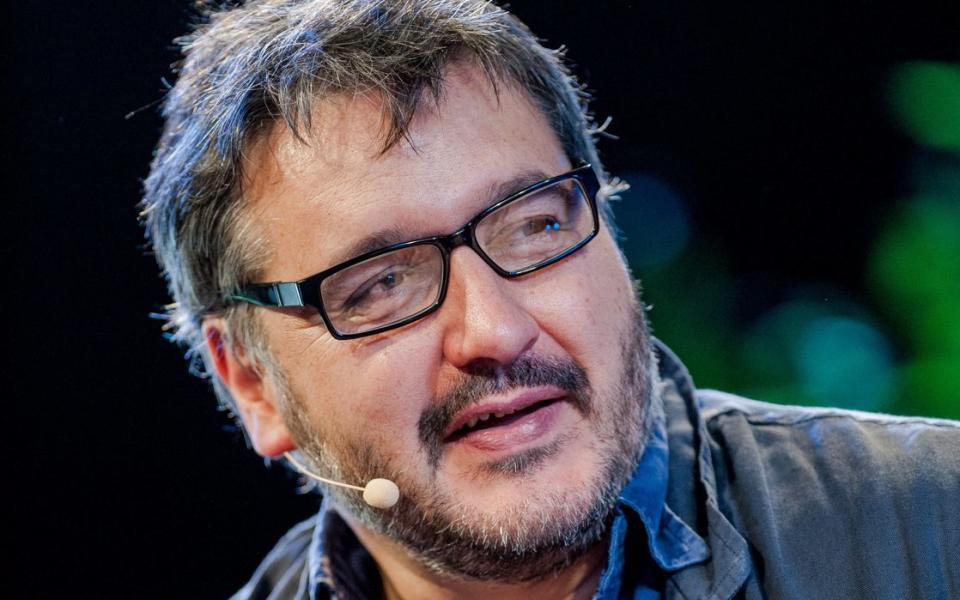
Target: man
386,230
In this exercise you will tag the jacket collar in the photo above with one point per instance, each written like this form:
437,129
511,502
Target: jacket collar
692,491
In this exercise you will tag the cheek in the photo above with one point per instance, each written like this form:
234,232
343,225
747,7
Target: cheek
589,301
389,388
366,387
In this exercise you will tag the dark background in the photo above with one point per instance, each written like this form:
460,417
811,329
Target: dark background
769,119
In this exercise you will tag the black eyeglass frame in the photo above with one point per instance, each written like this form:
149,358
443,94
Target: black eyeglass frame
306,292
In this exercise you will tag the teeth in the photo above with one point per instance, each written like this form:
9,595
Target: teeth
473,422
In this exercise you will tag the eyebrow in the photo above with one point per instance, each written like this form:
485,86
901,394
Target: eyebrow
369,243
499,191
392,235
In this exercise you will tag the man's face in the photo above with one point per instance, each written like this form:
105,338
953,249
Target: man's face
563,347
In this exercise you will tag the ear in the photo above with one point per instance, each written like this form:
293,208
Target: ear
255,394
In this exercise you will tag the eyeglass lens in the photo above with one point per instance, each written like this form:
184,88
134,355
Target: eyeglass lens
384,289
394,286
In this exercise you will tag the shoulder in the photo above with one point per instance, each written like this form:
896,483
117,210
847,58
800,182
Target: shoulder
715,404
823,427
279,574
841,460
861,504
834,437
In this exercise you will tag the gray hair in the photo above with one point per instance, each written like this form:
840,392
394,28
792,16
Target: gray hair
249,68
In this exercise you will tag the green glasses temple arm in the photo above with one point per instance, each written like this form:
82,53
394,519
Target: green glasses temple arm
270,294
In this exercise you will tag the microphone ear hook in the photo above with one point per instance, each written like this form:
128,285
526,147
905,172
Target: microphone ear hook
378,493
306,472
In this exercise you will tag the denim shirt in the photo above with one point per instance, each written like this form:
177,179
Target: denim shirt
733,499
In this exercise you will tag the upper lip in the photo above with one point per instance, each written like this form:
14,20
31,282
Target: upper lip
527,398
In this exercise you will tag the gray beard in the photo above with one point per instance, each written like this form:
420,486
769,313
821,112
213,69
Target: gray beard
540,535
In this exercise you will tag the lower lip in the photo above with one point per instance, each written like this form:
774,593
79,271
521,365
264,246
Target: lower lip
514,435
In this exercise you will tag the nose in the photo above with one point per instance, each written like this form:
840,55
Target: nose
486,323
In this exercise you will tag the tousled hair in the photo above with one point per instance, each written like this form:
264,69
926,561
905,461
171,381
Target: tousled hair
263,64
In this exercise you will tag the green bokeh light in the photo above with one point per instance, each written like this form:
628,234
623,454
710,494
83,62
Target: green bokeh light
915,270
925,100
819,353
844,362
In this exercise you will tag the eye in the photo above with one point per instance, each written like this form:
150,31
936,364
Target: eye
375,288
540,224
383,289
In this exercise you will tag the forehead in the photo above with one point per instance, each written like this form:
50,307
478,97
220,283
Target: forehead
310,201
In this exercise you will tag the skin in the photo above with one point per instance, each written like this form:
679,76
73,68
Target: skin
310,202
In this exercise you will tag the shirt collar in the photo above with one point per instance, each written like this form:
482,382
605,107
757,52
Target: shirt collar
672,543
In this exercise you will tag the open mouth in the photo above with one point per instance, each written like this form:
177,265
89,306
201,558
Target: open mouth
498,419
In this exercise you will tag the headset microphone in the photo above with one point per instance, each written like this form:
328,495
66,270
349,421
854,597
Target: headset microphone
378,493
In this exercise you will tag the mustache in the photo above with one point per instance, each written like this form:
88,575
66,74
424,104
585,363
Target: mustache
527,371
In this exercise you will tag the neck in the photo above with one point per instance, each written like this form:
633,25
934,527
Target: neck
404,577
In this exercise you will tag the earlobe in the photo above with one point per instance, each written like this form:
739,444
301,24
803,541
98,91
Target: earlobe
254,392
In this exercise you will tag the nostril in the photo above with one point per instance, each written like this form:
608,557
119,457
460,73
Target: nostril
483,367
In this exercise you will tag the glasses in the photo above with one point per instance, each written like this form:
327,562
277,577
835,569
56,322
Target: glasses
393,286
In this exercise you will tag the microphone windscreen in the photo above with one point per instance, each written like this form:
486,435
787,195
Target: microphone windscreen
381,493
